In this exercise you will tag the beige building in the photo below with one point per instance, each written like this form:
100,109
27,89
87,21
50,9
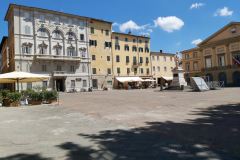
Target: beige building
101,53
214,57
131,57
162,65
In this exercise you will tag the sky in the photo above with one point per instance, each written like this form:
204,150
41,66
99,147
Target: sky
172,25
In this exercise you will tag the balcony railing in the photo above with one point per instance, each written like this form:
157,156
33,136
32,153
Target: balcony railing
57,57
116,41
135,64
219,68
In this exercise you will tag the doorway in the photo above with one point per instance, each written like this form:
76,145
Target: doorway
95,84
159,81
59,84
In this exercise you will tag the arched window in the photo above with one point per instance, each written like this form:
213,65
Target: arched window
236,78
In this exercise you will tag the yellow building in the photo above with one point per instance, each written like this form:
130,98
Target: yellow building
214,57
100,50
162,65
131,57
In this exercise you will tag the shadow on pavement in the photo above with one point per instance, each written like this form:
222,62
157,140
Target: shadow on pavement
212,136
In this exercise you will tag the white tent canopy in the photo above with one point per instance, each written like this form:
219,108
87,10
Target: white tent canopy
167,78
129,79
149,80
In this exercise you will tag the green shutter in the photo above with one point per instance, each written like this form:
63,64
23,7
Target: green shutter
117,57
127,58
147,70
107,33
134,59
118,70
146,59
92,30
141,70
128,70
141,60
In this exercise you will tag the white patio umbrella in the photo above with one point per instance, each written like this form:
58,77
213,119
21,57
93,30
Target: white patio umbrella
149,80
21,77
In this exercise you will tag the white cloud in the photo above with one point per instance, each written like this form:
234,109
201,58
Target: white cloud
169,23
130,25
150,30
143,33
115,24
223,12
197,41
113,31
178,43
197,5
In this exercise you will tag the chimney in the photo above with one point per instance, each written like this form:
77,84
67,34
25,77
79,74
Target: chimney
129,32
160,51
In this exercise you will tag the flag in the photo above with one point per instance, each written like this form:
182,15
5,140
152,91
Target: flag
236,61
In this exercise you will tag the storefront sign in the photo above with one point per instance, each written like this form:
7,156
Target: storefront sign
78,79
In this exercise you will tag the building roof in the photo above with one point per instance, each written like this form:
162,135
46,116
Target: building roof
130,35
192,49
11,5
167,54
2,42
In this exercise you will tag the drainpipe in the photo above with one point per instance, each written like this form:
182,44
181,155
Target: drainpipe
138,55
88,50
20,42
112,57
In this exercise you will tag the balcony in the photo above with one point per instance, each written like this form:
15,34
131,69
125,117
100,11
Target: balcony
57,57
116,41
59,73
135,64
220,68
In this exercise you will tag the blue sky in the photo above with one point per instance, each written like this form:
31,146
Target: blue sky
173,25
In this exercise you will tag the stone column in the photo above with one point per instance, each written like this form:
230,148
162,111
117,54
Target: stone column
214,57
64,40
35,43
202,58
228,56
77,47
50,45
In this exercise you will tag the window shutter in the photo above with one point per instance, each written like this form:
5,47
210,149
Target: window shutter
90,42
68,52
106,44
30,50
23,49
116,47
95,42
141,70
110,44
128,70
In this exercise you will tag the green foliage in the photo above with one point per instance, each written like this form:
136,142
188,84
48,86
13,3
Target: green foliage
147,85
24,92
155,85
5,92
1,97
51,95
119,85
36,96
29,90
14,97
37,88
140,85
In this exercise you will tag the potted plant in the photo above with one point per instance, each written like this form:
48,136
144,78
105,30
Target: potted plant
1,98
147,85
36,97
155,85
140,86
51,96
24,93
4,93
14,99
120,86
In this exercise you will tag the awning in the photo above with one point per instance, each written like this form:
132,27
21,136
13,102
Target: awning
149,80
129,79
167,78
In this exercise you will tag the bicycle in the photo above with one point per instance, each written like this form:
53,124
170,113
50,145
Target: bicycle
73,90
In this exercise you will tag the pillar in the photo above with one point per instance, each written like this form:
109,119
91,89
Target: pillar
35,43
228,56
50,45
214,57
64,40
201,53
77,47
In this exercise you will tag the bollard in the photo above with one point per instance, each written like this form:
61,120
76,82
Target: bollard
182,87
161,88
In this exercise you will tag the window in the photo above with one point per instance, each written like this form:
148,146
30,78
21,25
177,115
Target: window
165,69
82,37
134,60
147,60
109,70
126,48
195,55
59,68
70,52
126,39
134,40
141,70
135,70
134,49
27,30
29,85
141,59
208,62
92,30
94,71
109,83
118,70
70,22
117,58
158,69
83,69
81,24
108,58
146,43
147,70
56,20
41,17
93,42
140,41
26,15
108,44
26,50
116,39
187,67
42,32
170,58
44,84
186,56
195,66
72,68
164,58
127,59
83,53
157,58
128,70
221,61
84,83
153,68
42,50
57,34
72,83
117,47
93,57
58,51
107,32
91,21
153,59
140,49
